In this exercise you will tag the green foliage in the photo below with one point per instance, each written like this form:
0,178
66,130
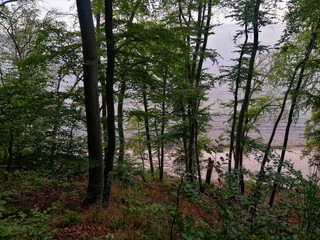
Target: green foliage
249,217
127,171
151,218
39,112
71,218
21,225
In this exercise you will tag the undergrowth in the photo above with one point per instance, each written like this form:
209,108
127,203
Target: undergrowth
144,208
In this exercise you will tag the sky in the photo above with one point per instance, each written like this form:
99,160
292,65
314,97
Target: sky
69,6
61,5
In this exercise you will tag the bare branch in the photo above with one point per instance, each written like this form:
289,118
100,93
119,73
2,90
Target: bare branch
7,1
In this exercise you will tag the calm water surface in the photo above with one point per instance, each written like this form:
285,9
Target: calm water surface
222,41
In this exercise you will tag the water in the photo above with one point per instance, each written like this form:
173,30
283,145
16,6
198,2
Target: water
222,41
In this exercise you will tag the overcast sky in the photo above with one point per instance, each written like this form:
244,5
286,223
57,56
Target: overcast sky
61,5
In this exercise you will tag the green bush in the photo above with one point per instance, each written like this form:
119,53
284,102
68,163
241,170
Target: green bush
24,226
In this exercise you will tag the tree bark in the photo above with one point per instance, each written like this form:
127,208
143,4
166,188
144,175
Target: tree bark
120,120
90,68
109,157
163,121
235,107
146,123
209,171
102,80
121,98
245,104
197,157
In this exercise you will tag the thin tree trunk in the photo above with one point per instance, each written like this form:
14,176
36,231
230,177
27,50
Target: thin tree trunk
286,136
120,120
197,157
235,107
267,151
140,147
245,104
146,122
54,134
196,76
102,81
184,139
158,145
191,144
163,121
121,99
90,67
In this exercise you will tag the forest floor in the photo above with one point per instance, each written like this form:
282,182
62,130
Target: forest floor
135,207
37,205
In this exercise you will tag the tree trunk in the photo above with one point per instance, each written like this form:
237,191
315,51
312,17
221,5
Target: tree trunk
194,75
163,121
146,123
122,97
267,151
286,136
90,68
158,145
141,152
120,120
197,157
109,157
209,171
235,107
102,81
245,104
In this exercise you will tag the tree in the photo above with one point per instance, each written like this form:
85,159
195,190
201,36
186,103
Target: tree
109,100
90,68
244,76
37,123
299,11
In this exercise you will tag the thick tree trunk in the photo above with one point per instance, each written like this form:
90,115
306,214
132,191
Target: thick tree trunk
109,157
90,67
209,171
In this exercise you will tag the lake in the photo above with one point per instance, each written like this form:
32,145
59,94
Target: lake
222,41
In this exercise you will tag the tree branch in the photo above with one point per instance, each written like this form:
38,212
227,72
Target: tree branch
7,1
